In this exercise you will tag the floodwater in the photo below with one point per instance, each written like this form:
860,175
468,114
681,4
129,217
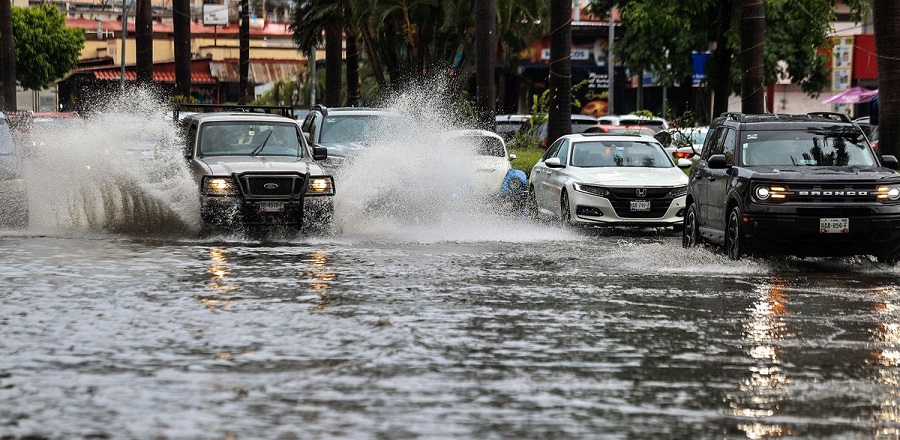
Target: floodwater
119,320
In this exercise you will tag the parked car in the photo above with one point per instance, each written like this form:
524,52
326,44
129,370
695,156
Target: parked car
490,162
256,169
601,179
621,129
655,123
342,131
683,143
13,197
508,125
807,185
580,123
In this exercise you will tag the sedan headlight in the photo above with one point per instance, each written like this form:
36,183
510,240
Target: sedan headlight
590,189
678,191
320,186
887,193
219,186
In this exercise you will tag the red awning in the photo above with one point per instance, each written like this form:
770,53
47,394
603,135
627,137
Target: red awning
164,76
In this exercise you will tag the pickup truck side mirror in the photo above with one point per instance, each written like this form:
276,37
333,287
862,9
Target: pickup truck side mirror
319,152
890,161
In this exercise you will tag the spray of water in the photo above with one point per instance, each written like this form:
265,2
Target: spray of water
119,169
410,184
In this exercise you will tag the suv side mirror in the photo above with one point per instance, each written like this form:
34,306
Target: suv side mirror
319,152
717,161
890,161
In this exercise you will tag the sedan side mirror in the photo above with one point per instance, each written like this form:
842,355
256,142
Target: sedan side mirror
319,152
890,161
553,162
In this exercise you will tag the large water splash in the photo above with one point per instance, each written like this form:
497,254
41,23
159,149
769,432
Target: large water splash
118,169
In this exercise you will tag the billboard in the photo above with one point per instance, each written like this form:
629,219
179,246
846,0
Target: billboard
215,15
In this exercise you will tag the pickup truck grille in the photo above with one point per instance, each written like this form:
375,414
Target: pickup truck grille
271,186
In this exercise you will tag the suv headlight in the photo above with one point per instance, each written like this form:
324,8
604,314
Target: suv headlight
770,193
590,189
219,186
887,193
320,186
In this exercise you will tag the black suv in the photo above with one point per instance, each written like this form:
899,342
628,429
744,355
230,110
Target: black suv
805,185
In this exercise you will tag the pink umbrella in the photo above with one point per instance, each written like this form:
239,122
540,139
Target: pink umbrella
854,95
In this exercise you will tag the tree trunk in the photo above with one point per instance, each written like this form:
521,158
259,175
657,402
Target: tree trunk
559,120
333,63
753,34
8,55
720,75
143,41
244,68
886,15
485,57
353,95
181,20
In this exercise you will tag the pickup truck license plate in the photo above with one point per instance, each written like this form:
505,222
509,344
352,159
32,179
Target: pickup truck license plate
271,206
640,205
834,225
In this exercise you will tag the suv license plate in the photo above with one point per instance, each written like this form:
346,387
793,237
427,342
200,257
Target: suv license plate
640,205
834,225
271,206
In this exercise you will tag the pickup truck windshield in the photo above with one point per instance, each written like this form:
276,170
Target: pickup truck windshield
246,138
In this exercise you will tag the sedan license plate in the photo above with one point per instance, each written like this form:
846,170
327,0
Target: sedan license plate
640,205
834,225
271,206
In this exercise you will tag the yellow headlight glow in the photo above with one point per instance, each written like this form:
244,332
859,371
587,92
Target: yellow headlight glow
321,185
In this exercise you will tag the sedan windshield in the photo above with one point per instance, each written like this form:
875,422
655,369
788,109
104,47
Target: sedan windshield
805,148
249,138
619,154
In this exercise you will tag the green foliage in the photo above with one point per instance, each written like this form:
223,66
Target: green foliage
46,50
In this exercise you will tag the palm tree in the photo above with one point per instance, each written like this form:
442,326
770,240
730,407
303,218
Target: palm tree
753,34
886,15
8,55
485,59
559,122
181,20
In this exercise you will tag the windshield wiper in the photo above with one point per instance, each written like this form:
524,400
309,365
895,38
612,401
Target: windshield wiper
261,145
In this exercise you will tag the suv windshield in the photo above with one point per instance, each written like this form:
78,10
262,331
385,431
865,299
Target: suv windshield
619,154
805,148
249,138
342,129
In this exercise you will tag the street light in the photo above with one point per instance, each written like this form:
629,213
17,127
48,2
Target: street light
125,5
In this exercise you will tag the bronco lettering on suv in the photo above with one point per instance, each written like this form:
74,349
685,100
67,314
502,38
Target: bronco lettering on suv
805,185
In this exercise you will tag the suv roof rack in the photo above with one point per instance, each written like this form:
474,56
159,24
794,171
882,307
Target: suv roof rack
840,117
283,110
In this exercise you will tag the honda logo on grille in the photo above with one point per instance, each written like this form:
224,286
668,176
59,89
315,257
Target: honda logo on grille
270,186
641,192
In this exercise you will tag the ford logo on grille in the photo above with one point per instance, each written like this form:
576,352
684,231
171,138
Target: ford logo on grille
270,186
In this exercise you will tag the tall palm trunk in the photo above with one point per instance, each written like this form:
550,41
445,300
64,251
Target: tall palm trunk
181,20
886,15
333,63
559,122
244,68
8,55
485,56
720,75
353,95
753,35
143,41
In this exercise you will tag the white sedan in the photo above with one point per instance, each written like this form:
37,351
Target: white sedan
601,179
490,160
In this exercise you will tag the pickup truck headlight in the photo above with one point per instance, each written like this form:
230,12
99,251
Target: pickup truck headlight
219,186
887,193
590,189
770,193
320,186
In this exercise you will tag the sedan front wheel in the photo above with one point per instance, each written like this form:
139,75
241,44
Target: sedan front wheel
565,211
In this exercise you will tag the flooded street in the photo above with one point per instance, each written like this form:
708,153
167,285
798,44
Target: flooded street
563,335
119,319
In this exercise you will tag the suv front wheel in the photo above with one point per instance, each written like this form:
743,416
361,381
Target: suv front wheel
690,232
734,235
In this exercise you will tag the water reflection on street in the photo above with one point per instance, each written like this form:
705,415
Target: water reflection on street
525,331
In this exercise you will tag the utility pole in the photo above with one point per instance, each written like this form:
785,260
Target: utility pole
125,5
610,63
244,69
181,21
